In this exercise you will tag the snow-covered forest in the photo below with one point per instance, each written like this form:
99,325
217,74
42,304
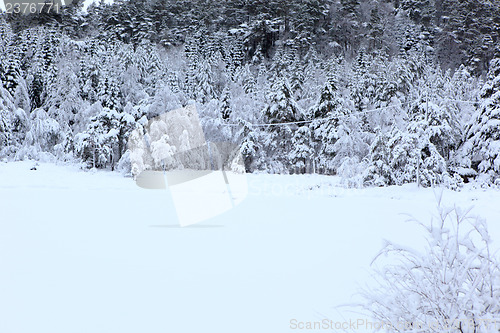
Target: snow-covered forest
378,92
312,129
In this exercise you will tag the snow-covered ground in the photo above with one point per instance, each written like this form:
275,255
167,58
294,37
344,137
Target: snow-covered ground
90,252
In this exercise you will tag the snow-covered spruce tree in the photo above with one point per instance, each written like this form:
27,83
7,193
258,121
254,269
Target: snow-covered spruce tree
385,97
89,68
48,56
191,50
204,81
302,151
16,124
109,92
212,117
148,62
11,70
443,129
226,109
251,147
419,149
163,101
379,171
431,166
21,95
138,151
43,138
297,78
462,86
406,156
482,145
414,158
105,139
246,79
11,64
361,85
94,146
6,110
6,36
326,115
108,88
64,102
368,90
350,149
453,285
281,109
312,72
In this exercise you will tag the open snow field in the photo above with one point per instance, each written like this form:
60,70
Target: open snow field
90,252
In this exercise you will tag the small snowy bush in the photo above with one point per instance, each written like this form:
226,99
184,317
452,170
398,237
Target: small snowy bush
453,286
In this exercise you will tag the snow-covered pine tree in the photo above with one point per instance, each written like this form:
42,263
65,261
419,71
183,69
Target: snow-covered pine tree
6,110
326,115
140,155
379,171
148,62
429,105
302,151
191,50
102,143
297,79
376,29
163,101
313,12
263,79
21,95
35,72
311,77
226,109
347,29
109,91
204,80
279,61
281,108
11,69
49,52
88,74
18,123
237,52
414,158
482,136
245,78
173,82
350,149
251,147
109,84
132,90
64,101
43,136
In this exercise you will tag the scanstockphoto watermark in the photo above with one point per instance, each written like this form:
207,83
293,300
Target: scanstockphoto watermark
204,178
490,324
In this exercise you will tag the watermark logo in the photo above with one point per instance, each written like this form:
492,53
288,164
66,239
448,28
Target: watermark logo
362,324
205,179
26,7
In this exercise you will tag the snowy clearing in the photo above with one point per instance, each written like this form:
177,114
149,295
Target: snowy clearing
92,252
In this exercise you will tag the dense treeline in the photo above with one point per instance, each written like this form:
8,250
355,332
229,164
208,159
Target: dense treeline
458,31
371,90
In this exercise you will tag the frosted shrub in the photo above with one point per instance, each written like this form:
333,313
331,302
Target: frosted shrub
351,172
452,286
